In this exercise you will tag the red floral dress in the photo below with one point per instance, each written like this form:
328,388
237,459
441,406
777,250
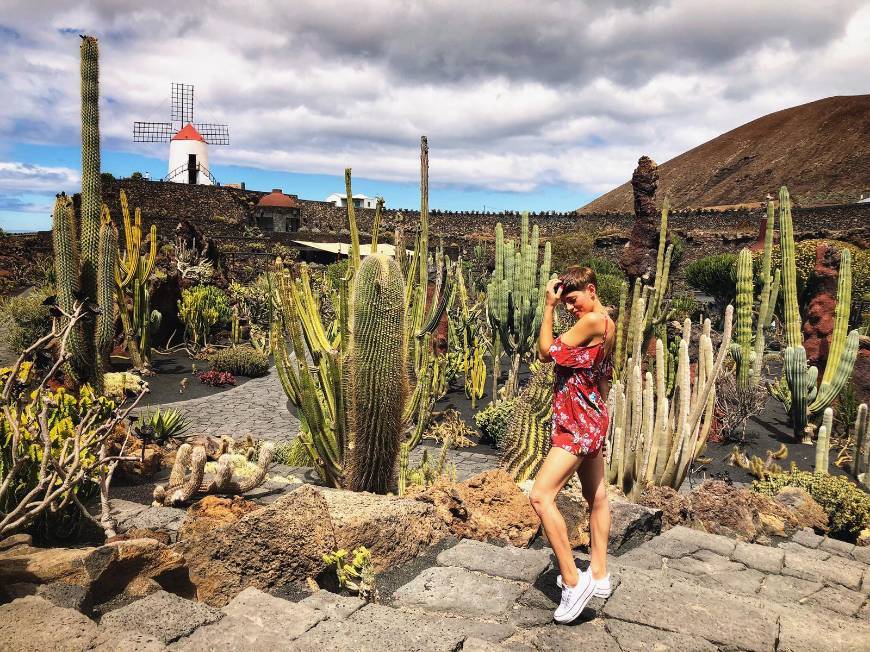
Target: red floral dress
580,418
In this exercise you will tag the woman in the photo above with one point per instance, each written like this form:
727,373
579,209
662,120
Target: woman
583,371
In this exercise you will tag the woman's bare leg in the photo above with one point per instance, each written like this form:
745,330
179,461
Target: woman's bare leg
591,474
557,469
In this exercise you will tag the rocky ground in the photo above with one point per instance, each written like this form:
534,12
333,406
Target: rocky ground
684,590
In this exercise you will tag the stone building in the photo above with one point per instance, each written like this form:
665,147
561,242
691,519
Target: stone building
277,212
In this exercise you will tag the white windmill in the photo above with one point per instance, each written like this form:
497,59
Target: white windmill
188,140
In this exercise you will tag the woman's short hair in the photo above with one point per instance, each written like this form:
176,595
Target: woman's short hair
577,278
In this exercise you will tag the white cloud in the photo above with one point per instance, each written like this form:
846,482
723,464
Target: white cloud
24,178
513,94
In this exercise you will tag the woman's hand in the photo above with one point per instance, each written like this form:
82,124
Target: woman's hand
554,294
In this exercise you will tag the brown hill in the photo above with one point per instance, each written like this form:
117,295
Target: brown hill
820,150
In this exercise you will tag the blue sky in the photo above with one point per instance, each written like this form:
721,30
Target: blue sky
527,104
37,215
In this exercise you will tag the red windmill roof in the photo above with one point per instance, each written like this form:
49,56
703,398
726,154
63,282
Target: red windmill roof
189,132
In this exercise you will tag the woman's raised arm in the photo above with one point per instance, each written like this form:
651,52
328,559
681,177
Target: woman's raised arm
545,336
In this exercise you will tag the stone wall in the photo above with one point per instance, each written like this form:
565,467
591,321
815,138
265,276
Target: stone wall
222,212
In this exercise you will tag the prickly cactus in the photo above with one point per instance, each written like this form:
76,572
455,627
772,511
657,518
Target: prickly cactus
376,363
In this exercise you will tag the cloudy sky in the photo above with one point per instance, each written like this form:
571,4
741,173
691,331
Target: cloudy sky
527,104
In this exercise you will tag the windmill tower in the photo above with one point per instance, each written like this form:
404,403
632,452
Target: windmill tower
188,140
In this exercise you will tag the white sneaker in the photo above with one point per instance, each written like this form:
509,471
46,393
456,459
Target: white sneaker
575,599
602,586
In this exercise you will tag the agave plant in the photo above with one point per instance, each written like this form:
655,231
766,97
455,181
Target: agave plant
166,425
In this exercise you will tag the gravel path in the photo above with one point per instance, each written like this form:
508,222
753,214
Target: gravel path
258,408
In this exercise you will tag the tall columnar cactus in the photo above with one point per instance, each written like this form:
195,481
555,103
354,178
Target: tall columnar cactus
65,240
91,183
107,260
353,259
527,440
742,349
84,255
653,439
823,443
769,292
131,281
806,399
376,225
655,311
789,273
90,347
621,325
861,449
516,297
377,372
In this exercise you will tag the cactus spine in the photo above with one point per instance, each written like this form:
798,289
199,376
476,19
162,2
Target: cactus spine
377,373
823,443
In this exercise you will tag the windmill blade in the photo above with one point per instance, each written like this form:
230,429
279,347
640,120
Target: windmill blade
214,134
182,102
152,132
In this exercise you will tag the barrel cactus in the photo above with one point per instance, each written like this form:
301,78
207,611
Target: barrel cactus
377,377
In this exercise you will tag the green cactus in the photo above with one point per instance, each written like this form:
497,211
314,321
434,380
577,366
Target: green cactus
789,274
353,259
742,348
527,440
65,239
376,364
131,281
655,312
806,399
91,183
235,328
313,361
516,295
769,292
861,449
376,225
801,382
621,321
652,439
823,442
404,453
107,260
86,249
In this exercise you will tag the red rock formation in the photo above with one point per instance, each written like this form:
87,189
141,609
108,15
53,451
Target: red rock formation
819,315
638,258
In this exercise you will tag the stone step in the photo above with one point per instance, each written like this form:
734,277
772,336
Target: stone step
684,590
